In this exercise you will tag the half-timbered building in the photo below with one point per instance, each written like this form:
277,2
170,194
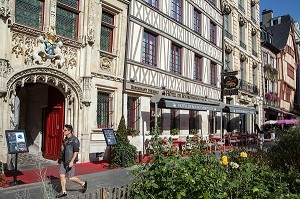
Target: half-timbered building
174,60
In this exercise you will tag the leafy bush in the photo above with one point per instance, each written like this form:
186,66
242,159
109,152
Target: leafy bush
123,147
236,175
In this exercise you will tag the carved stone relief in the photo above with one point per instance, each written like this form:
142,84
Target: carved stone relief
255,64
48,75
87,86
5,8
226,9
253,2
5,71
253,31
243,57
39,50
228,48
91,31
106,61
242,20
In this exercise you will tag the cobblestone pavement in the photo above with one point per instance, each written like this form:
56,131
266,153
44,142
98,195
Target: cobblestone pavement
27,161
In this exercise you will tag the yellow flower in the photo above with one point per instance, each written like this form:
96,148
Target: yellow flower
224,160
243,154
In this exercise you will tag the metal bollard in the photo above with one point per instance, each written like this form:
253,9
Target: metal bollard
140,157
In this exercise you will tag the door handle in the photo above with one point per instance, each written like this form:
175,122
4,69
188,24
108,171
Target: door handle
57,127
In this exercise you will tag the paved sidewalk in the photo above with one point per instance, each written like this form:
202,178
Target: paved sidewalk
111,178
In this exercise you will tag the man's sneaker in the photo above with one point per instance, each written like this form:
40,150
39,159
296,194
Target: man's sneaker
84,187
63,194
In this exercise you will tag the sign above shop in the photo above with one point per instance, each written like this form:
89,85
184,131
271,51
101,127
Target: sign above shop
230,91
230,82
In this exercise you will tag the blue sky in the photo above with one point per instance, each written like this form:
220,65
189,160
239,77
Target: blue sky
282,7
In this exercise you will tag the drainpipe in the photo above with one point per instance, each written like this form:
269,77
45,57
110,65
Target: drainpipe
125,60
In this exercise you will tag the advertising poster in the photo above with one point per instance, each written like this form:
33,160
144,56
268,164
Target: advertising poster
16,141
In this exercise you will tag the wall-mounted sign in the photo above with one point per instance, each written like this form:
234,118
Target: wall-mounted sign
110,137
231,73
230,82
230,91
16,141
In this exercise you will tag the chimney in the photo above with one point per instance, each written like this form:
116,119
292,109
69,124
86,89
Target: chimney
267,15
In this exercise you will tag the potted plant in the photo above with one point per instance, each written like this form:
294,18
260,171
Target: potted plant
132,132
193,131
174,131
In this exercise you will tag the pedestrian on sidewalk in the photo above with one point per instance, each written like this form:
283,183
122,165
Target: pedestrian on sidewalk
67,160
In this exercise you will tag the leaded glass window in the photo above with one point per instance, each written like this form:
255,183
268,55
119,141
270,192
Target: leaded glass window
66,23
71,3
213,33
30,13
107,27
103,112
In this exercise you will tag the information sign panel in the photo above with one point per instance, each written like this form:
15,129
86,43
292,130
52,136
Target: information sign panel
110,137
16,141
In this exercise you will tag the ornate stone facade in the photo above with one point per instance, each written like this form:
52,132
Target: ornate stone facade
34,61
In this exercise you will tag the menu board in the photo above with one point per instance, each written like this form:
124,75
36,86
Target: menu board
16,141
110,137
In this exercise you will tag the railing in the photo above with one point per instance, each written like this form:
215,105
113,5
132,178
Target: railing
243,45
228,34
254,53
241,7
247,86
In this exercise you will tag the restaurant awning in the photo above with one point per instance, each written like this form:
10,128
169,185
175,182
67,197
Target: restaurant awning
185,104
239,109
279,110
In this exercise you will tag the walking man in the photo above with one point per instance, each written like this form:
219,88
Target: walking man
68,159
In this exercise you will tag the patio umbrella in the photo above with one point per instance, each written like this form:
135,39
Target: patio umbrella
287,121
270,122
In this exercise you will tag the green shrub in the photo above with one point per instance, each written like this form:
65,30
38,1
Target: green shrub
123,147
201,175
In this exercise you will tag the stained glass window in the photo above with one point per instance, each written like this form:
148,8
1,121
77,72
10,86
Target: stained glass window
66,23
30,13
103,110
106,37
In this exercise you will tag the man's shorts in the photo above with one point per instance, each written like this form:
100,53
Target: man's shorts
69,172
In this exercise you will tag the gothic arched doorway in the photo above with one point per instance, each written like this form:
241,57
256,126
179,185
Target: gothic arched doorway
42,117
